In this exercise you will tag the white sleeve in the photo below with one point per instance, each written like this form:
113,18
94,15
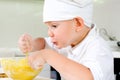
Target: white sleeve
95,69
100,62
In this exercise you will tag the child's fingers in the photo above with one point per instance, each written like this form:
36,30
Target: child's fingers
28,42
35,60
24,43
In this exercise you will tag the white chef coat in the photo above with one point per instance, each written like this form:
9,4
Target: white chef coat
93,53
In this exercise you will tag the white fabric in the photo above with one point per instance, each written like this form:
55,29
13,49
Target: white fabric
94,54
55,10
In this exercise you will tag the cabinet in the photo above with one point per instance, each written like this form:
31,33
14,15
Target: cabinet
117,65
117,68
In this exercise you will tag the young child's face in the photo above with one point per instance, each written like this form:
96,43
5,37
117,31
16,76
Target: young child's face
62,33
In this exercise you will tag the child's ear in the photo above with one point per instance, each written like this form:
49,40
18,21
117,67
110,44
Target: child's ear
79,23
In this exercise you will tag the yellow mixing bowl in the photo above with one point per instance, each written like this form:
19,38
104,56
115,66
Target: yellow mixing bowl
19,69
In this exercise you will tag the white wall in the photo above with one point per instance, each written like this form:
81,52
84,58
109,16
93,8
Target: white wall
107,15
25,16
18,17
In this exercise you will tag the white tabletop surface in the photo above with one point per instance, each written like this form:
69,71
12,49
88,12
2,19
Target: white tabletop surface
1,70
116,54
5,79
40,78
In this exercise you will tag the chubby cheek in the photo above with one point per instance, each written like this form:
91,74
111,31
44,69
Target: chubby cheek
63,35
61,44
63,39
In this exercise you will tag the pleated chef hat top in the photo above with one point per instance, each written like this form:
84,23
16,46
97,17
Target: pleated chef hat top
56,10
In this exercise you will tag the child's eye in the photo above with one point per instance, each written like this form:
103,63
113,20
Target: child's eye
54,26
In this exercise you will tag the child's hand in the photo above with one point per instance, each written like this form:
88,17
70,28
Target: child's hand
25,43
36,59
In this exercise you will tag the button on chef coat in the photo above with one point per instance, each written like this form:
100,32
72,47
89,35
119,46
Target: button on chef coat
92,52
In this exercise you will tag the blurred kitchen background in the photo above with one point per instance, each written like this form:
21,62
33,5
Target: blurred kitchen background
18,17
25,16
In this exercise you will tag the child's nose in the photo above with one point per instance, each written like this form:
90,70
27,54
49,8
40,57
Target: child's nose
50,33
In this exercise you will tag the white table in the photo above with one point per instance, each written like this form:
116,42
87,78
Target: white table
38,78
116,54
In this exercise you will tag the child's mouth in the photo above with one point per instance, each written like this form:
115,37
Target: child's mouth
54,43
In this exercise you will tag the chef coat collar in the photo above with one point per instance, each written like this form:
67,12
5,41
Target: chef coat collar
78,48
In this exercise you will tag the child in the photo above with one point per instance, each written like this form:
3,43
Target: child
71,32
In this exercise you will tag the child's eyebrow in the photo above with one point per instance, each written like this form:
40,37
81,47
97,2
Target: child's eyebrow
50,22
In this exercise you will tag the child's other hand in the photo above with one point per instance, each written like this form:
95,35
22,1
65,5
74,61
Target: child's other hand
25,43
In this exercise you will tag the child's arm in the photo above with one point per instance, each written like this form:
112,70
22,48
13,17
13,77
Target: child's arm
69,69
39,43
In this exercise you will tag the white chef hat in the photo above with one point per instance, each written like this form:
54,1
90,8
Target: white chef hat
56,10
